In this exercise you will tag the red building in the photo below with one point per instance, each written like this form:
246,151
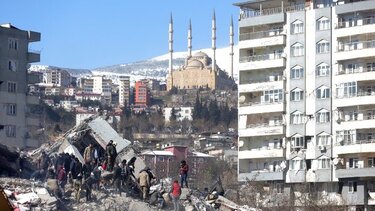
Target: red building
142,94
165,163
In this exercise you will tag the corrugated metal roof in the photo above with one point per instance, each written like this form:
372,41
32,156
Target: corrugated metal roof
102,130
158,152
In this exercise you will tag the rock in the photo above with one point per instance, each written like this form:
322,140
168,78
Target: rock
138,205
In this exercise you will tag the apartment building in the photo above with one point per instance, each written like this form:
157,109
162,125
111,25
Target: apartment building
97,85
142,94
307,98
57,77
124,90
16,119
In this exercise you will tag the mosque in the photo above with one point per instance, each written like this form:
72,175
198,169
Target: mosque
199,70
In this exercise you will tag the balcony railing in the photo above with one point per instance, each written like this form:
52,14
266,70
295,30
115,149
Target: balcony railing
352,46
262,57
358,94
248,13
271,78
275,123
259,103
361,115
353,142
260,34
355,71
355,22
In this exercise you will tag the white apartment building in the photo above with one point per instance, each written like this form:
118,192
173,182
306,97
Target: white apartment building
124,90
98,85
181,113
16,118
56,77
307,98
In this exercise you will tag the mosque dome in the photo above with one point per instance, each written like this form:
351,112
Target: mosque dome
195,64
200,54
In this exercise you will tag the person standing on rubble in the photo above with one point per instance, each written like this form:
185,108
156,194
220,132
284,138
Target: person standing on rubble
61,180
88,186
124,172
130,169
117,178
77,187
184,169
111,155
88,154
175,195
144,183
43,161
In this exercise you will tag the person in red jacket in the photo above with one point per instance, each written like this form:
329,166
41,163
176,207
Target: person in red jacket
61,180
184,169
175,195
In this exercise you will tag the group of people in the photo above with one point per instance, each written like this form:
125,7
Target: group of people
67,169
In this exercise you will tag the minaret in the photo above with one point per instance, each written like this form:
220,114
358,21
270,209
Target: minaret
189,39
214,41
170,48
231,43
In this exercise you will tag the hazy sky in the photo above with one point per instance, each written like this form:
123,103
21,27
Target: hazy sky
96,33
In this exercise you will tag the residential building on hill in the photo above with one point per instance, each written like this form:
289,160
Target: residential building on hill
142,94
307,98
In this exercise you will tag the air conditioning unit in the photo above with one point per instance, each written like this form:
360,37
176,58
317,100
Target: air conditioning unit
322,148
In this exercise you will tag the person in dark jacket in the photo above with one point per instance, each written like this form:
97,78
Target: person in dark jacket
61,180
88,186
184,169
117,178
111,155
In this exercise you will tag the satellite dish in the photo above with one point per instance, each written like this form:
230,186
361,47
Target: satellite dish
240,143
242,99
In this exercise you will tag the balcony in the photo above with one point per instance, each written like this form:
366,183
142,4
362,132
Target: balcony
362,120
346,6
273,60
261,153
257,108
296,176
360,98
33,56
360,74
33,36
251,13
355,50
275,83
355,172
262,129
261,39
261,176
353,147
355,27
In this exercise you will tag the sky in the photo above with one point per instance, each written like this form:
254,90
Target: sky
98,33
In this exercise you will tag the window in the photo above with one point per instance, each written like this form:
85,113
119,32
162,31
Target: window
297,50
296,94
348,89
296,164
322,46
12,65
297,27
371,162
11,109
352,68
296,118
323,24
323,116
353,163
322,69
298,141
370,66
12,87
352,186
161,159
347,136
324,140
13,43
296,72
324,163
10,130
323,92
271,96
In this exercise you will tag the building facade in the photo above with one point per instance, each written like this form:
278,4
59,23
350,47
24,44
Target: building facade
57,77
15,116
181,113
124,91
306,97
142,94
98,85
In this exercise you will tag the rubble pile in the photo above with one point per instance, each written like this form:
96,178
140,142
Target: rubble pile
25,194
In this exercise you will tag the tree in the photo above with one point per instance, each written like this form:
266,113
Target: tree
197,108
214,112
173,116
